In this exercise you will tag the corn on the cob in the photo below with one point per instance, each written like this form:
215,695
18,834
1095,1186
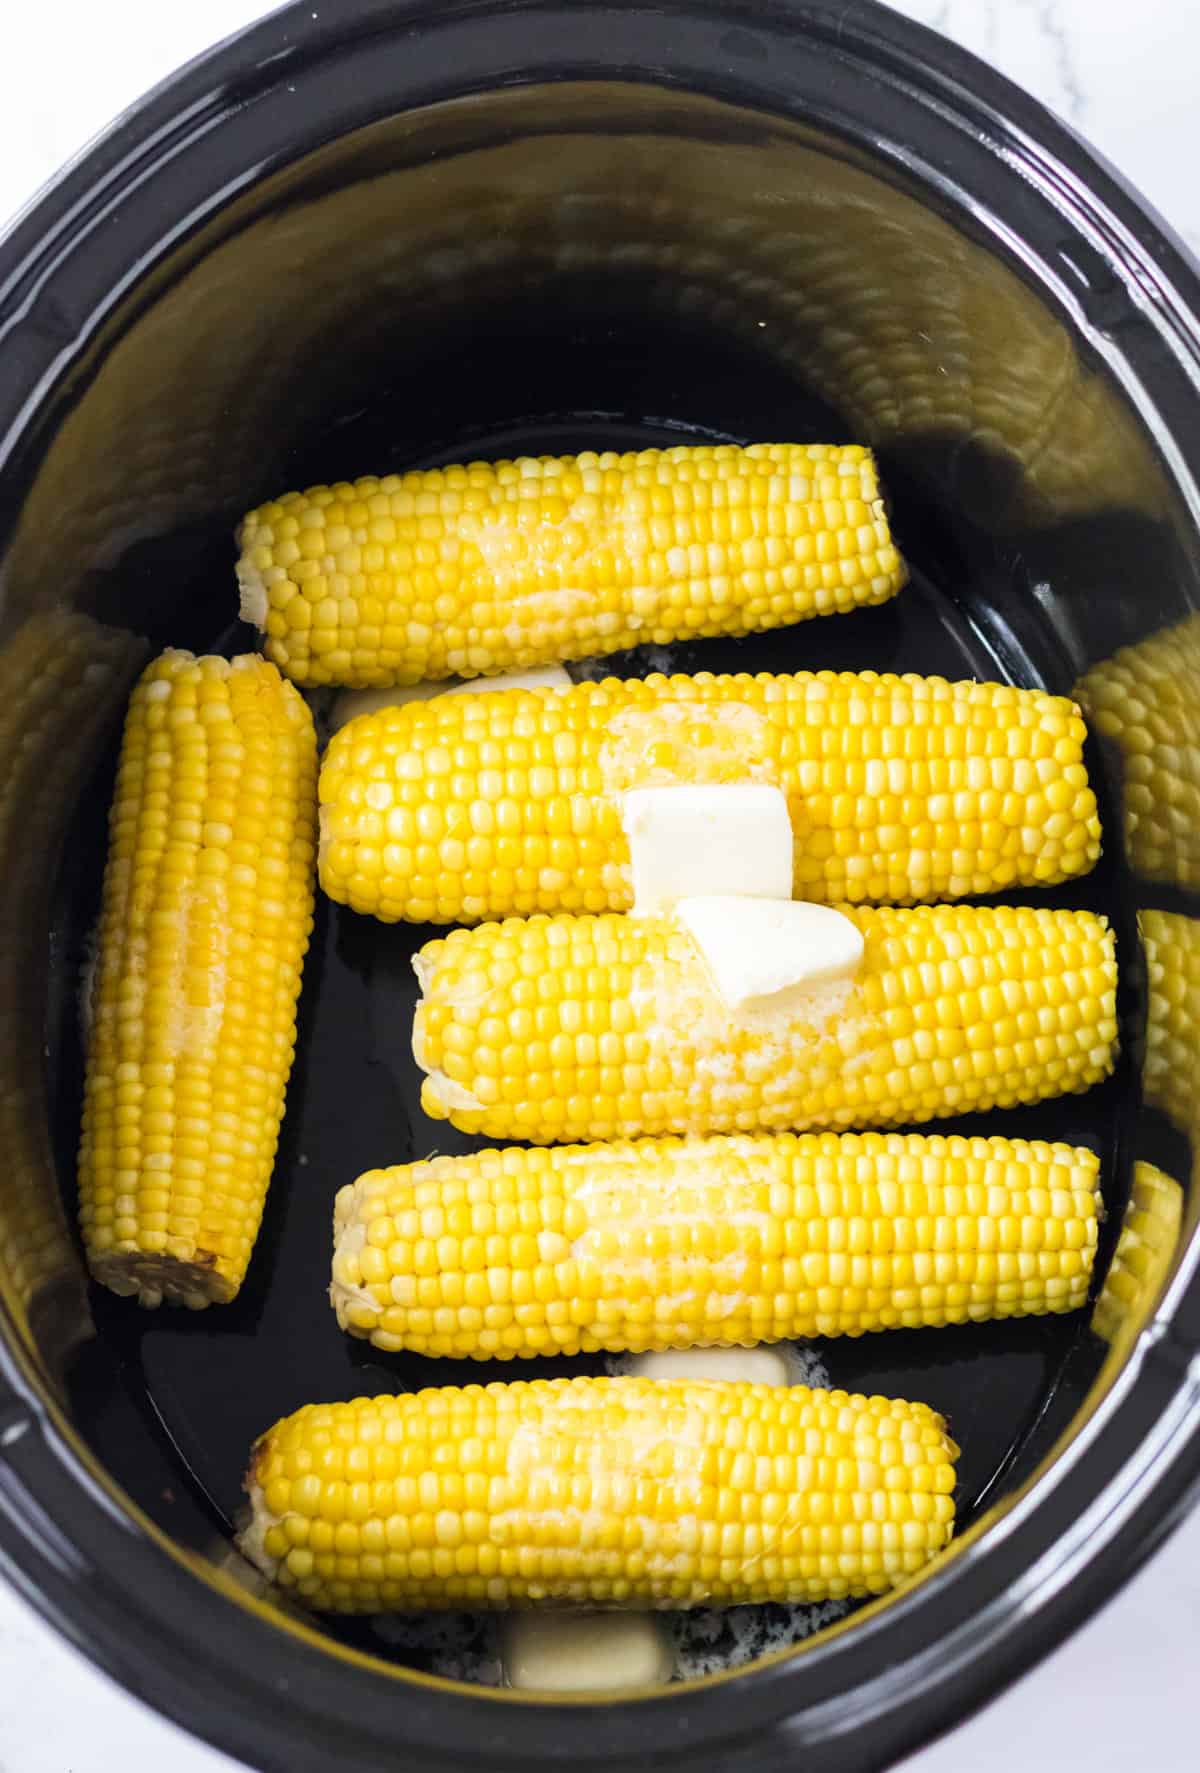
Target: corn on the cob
607,1027
63,678
1144,698
685,1243
1172,944
204,922
611,1492
899,789
1143,1256
494,566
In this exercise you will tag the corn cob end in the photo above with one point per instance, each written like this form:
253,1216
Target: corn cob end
354,1307
256,1521
153,1277
252,593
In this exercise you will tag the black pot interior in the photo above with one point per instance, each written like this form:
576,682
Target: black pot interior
542,268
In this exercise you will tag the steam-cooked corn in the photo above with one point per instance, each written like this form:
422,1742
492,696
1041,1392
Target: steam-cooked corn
899,789
574,1028
494,566
683,1243
204,922
602,1492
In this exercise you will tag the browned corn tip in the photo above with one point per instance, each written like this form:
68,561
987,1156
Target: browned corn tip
1172,944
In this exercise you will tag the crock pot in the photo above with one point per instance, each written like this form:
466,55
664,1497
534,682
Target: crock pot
390,232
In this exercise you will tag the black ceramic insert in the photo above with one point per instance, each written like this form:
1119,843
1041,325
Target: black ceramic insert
402,234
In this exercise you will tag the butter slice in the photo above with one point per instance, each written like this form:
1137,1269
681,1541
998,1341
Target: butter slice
585,1652
732,838
351,703
762,1366
757,950
537,677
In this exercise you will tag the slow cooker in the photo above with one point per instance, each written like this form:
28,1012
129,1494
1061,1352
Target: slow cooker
388,233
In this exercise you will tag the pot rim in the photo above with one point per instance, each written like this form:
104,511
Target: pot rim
265,1687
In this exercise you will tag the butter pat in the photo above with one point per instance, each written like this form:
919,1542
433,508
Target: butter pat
759,950
762,1366
537,677
351,703
729,837
585,1652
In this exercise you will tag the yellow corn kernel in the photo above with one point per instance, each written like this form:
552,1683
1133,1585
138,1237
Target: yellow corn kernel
732,1240
635,1493
204,922
1143,1256
1172,944
63,679
495,566
1146,699
577,1028
899,789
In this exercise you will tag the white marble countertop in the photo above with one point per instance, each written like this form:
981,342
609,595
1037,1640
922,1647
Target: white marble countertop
1119,1693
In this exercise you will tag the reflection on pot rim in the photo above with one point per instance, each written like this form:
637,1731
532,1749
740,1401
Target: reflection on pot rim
1022,480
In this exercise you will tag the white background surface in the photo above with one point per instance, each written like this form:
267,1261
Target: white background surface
1121,1694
